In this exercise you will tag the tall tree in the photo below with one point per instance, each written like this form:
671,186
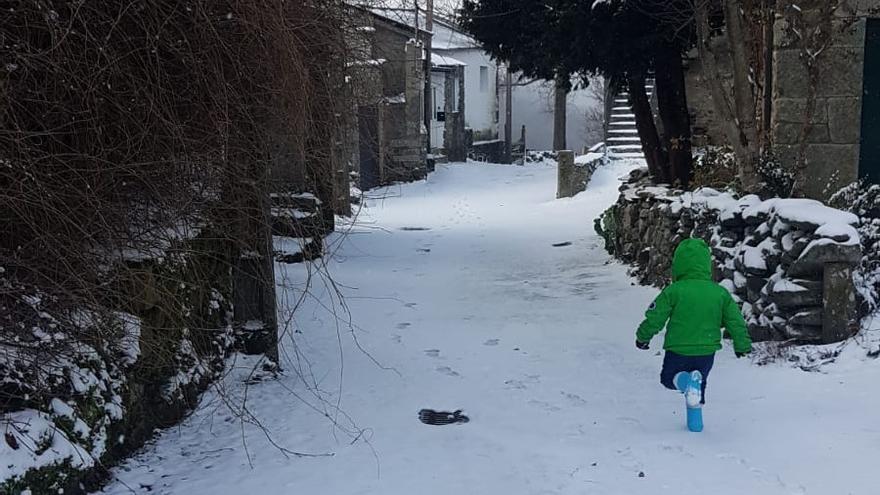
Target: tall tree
738,115
622,40
561,88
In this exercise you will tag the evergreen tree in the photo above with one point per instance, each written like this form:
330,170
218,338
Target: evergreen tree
622,40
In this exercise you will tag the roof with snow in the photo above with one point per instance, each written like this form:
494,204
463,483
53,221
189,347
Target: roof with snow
402,16
448,36
438,60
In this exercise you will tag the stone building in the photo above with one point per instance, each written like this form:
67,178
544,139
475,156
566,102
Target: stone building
388,138
824,96
831,83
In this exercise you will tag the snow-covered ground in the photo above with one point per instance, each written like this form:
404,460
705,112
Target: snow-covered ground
459,300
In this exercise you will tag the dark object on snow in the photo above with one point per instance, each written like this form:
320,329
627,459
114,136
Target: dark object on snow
432,417
414,229
562,244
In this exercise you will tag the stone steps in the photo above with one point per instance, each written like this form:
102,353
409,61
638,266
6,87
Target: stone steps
622,133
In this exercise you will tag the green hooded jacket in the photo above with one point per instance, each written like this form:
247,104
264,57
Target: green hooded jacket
694,308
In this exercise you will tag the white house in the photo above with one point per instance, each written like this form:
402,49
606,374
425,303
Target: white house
451,47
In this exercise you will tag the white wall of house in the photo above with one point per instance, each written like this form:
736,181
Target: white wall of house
481,92
533,107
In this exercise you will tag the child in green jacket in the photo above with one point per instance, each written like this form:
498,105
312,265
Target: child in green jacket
693,309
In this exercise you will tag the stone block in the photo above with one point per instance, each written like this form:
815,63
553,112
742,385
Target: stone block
804,333
813,261
811,296
839,303
852,33
760,333
790,133
565,171
794,110
841,71
807,317
828,166
859,7
845,120
754,286
790,77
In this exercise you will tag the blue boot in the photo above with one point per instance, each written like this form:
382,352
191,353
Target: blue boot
691,385
695,419
693,395
682,381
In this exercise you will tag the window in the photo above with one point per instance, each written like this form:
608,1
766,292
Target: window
484,78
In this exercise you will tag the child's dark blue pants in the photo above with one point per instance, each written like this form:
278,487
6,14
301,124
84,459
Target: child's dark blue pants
674,363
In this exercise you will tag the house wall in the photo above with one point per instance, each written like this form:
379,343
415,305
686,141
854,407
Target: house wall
829,152
481,104
392,80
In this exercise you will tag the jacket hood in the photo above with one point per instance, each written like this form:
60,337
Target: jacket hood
692,261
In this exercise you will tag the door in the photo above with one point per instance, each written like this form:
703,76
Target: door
869,161
438,117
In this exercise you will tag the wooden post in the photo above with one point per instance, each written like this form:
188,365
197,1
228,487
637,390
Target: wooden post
508,121
522,135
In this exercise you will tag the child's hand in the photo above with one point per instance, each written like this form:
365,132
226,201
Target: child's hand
643,345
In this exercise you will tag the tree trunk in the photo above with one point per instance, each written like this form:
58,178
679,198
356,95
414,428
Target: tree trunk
743,94
712,75
673,109
654,156
562,86
253,271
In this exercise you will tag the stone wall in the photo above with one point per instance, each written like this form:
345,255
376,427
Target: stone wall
573,174
85,404
831,145
787,261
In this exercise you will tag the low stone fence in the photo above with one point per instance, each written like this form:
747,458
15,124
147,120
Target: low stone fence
789,262
574,173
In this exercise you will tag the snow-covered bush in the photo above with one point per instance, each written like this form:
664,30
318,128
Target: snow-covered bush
775,180
715,167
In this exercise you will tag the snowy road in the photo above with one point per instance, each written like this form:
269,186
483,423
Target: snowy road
457,293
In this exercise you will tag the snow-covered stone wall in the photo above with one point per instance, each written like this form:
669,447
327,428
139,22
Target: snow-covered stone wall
787,261
82,388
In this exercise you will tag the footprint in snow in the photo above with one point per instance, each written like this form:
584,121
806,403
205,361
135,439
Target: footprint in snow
544,405
446,370
432,353
574,399
411,305
404,325
491,342
515,384
396,339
